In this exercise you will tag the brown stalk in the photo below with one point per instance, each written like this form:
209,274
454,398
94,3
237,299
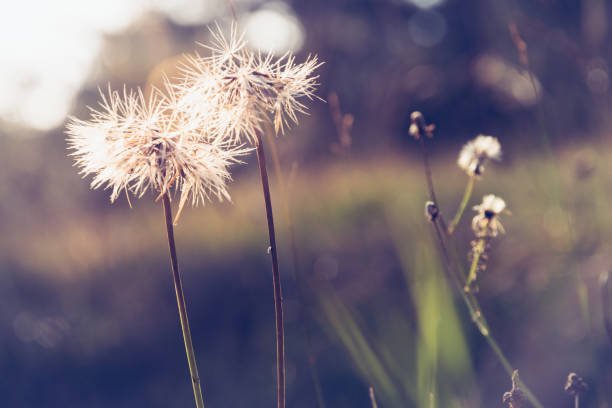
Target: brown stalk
302,298
180,299
278,297
430,186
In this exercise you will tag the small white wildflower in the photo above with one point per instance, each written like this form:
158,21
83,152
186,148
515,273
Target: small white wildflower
476,152
247,86
487,223
135,143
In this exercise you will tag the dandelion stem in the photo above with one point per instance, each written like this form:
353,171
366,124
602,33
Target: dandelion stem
278,297
180,298
283,190
302,298
576,401
466,198
477,251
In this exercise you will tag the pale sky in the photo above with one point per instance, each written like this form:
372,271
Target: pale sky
48,48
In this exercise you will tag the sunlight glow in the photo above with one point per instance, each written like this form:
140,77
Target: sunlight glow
48,49
425,4
274,28
506,80
191,12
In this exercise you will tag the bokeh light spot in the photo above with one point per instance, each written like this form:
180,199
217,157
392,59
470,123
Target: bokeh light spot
427,28
425,4
274,29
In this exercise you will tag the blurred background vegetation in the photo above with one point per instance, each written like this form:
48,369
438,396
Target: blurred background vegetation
87,310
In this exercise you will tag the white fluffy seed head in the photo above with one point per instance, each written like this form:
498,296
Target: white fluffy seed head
476,152
135,143
487,223
247,87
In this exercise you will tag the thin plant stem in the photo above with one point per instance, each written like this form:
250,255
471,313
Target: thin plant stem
278,297
430,186
477,316
448,268
296,267
283,190
576,401
477,252
180,299
466,198
468,297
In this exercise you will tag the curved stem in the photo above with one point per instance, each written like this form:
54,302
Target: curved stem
466,198
477,316
180,299
441,233
302,296
278,297
430,186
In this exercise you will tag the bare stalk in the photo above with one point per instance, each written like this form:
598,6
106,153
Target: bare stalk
278,297
180,299
430,186
476,313
302,298
466,198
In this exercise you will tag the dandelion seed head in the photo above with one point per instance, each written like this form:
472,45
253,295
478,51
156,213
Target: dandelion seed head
487,222
476,152
135,143
247,87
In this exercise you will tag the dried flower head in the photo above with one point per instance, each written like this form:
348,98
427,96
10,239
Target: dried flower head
515,398
431,211
246,87
575,384
134,143
487,223
419,127
476,152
